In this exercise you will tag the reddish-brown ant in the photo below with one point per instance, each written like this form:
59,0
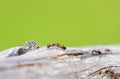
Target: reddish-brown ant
109,71
95,52
112,74
57,45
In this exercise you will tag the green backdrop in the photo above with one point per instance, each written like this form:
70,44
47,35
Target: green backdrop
69,22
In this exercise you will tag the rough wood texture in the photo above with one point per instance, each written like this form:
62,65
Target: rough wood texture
94,62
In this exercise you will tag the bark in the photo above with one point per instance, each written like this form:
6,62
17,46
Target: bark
93,62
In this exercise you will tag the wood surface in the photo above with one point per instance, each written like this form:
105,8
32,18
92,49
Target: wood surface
91,62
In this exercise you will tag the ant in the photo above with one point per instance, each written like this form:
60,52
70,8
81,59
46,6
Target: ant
108,70
95,52
57,45
112,74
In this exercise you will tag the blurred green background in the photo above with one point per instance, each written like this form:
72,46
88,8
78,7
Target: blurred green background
69,22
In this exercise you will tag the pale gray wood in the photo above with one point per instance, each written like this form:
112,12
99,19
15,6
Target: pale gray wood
56,63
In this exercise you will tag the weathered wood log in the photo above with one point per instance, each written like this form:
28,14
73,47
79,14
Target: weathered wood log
93,62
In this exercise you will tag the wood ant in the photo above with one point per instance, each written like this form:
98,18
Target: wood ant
57,45
108,70
95,52
112,74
